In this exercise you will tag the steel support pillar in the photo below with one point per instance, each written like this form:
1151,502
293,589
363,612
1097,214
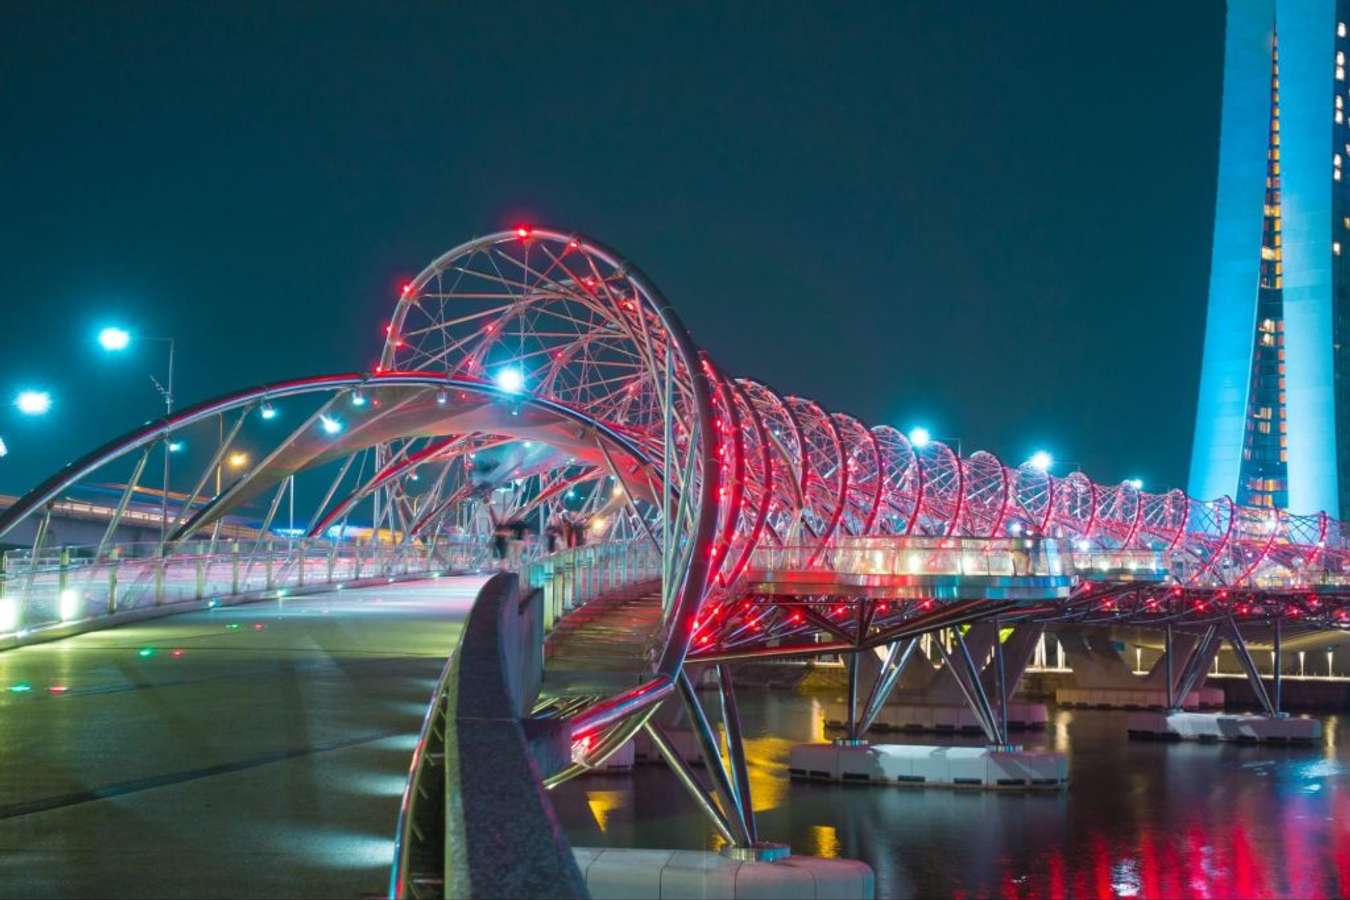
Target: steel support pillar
897,658
686,777
1279,665
1249,666
712,755
971,688
1167,667
731,723
1195,666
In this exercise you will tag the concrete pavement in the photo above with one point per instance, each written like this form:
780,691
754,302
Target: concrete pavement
255,750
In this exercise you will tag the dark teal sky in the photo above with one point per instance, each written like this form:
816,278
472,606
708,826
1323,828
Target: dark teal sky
992,218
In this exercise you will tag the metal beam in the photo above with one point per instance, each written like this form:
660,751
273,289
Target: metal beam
897,658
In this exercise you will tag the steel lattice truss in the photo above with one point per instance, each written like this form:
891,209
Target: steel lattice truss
533,373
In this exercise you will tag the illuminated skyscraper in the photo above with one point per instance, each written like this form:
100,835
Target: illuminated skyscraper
1273,426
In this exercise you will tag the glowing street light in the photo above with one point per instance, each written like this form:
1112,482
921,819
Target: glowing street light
330,425
358,399
919,437
1136,483
510,380
114,339
238,459
176,446
1041,461
33,403
268,411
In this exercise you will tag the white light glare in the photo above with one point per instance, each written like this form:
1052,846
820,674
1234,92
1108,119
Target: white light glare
4,451
268,411
9,614
33,403
175,446
1136,483
69,605
1041,461
919,437
358,399
114,338
510,380
330,425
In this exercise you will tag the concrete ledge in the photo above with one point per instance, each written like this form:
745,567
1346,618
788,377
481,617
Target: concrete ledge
946,718
624,873
1239,728
1136,698
920,766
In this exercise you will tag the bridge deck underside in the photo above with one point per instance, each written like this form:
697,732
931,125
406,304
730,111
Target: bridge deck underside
259,761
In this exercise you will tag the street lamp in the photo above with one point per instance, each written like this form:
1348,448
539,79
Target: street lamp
33,403
115,340
510,380
1041,461
920,437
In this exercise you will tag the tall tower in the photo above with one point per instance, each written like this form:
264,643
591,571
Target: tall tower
1273,422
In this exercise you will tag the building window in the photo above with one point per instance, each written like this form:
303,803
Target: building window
1340,73
1336,247
1340,29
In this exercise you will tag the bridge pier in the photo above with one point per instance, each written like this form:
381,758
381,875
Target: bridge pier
1000,764
921,697
1269,726
1103,680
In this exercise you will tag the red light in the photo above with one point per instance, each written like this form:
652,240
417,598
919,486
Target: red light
175,653
407,287
57,689
258,626
522,231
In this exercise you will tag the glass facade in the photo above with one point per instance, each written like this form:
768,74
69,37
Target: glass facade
1272,426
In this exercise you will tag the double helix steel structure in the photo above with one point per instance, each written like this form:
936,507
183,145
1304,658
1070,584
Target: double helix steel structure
536,377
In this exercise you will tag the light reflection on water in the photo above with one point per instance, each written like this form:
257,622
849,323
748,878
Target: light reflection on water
1140,819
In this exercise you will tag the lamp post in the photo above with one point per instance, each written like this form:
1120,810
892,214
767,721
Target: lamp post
115,340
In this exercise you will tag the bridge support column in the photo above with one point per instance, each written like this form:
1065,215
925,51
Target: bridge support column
897,659
234,568
963,669
722,785
1249,666
113,556
1196,664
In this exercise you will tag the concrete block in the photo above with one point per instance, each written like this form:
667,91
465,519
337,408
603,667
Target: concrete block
626,873
1134,698
698,874
1243,728
612,873
835,879
909,764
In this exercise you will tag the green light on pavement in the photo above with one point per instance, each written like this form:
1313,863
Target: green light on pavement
146,652
21,687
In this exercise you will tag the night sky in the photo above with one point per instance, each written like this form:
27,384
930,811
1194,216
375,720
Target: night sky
989,218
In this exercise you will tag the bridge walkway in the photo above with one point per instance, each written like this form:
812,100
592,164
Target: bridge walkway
605,645
257,750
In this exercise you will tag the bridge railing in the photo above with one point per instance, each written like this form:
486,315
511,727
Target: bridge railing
971,557
72,585
575,576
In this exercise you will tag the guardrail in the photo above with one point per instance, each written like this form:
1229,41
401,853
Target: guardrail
475,821
73,587
573,577
988,557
